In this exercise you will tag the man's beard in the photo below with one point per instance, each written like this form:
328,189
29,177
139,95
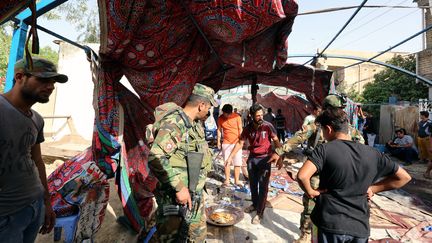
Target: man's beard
259,122
31,95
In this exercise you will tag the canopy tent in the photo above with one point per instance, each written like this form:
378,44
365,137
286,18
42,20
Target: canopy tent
164,48
294,108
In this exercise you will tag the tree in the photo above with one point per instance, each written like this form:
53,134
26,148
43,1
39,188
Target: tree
390,82
83,14
5,39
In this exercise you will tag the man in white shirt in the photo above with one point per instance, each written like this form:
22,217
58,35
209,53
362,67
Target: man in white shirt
403,147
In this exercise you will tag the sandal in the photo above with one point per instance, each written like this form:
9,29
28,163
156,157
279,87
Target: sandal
239,185
226,184
249,209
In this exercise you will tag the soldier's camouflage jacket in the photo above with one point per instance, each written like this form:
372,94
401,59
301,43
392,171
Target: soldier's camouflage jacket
309,135
167,158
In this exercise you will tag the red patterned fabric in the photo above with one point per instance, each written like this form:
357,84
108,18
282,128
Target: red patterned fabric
314,83
294,108
79,186
9,8
157,46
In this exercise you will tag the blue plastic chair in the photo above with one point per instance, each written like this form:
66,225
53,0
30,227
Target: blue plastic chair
150,234
380,147
69,224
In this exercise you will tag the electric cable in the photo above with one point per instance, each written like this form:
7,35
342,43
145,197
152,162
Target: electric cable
376,30
390,48
340,31
361,25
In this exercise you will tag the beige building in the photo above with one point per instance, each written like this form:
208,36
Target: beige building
424,58
353,78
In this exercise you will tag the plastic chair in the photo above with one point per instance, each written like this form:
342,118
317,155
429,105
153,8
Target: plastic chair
380,147
69,224
150,234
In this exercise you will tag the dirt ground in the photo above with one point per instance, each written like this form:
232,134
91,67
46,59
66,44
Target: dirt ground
111,231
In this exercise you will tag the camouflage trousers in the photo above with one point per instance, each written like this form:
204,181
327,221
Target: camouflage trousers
308,206
169,227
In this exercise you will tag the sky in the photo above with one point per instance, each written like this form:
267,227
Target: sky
372,29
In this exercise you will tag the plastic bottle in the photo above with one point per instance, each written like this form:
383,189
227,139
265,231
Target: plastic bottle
428,228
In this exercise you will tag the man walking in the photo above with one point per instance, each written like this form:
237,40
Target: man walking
349,172
280,125
269,116
230,125
25,203
260,134
180,159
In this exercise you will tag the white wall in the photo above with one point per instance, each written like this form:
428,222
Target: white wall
75,97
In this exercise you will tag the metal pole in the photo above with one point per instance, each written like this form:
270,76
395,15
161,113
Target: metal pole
340,31
425,80
392,47
16,52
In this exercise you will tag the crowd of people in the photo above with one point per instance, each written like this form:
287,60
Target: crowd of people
338,177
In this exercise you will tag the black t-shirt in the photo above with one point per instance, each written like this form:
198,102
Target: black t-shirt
369,126
280,121
346,170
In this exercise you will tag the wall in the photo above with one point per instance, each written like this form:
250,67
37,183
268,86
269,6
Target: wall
358,76
393,117
73,98
424,64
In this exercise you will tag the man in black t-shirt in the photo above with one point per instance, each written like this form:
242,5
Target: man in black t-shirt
349,172
280,125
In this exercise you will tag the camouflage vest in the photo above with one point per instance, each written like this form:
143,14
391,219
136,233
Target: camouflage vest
190,138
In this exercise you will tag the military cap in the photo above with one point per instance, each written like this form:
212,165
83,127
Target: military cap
334,100
205,92
41,68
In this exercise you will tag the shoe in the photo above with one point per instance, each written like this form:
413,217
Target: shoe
239,184
250,209
226,184
427,175
304,238
256,219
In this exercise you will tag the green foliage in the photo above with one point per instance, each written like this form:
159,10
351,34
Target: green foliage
5,40
355,95
390,82
83,15
49,54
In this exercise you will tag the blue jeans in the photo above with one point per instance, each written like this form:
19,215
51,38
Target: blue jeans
23,226
326,237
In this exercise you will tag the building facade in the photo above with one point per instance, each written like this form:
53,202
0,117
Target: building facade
356,77
424,57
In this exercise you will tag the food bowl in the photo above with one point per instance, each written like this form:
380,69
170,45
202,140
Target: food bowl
233,215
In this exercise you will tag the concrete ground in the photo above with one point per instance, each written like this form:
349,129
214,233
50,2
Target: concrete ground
277,226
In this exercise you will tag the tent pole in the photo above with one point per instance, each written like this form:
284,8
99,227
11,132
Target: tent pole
254,89
16,52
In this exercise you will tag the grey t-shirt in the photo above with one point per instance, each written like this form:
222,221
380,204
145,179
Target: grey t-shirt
20,184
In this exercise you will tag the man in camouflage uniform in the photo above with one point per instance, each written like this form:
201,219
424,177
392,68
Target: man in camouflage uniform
309,133
178,131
